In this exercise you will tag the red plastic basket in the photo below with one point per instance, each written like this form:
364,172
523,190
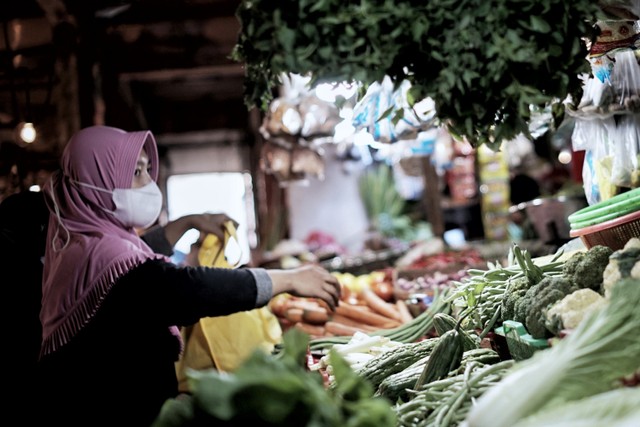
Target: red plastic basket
614,233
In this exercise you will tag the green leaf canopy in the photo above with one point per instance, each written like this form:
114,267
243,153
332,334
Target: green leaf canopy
484,62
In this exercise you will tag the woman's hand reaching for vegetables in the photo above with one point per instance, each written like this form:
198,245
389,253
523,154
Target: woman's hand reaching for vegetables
310,281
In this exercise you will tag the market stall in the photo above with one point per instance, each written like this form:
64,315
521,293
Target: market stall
434,333
488,341
397,138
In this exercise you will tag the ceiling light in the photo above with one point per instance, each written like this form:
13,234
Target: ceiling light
27,132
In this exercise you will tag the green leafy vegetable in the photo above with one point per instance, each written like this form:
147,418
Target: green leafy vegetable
616,407
276,390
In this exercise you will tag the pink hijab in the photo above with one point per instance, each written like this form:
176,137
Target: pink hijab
87,247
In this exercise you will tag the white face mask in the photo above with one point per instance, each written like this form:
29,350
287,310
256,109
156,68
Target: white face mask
135,207
138,207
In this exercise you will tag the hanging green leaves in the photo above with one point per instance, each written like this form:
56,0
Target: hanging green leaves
484,62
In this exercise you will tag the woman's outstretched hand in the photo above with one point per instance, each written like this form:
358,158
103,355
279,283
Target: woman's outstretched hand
310,281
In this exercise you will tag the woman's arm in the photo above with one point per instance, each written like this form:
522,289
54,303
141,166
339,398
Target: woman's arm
162,239
182,295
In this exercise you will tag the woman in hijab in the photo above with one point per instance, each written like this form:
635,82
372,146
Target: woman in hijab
110,305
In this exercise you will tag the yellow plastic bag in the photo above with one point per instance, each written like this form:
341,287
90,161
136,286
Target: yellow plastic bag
214,254
224,342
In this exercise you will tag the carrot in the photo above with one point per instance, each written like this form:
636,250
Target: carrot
339,329
365,315
315,315
293,314
279,304
405,314
379,305
302,303
351,322
313,330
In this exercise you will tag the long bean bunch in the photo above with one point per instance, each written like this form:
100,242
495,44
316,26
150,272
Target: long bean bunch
447,402
479,295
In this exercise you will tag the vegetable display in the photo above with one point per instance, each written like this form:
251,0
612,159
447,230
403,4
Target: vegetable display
406,333
524,292
480,296
530,306
400,387
592,359
437,369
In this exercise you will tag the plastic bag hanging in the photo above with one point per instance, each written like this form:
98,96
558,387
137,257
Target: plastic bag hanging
385,113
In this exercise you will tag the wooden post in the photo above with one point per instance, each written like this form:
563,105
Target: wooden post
431,197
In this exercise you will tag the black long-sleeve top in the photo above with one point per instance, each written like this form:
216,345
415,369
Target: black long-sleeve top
120,368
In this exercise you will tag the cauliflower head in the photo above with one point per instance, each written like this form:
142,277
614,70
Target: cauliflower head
568,312
623,263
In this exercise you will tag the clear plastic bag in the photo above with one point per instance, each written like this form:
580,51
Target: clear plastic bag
625,76
625,156
587,134
595,137
385,113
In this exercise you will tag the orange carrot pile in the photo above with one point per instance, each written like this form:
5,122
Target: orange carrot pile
313,317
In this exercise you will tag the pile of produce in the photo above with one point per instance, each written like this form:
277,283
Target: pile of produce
452,379
367,305
547,298
428,382
440,369
426,273
361,310
549,303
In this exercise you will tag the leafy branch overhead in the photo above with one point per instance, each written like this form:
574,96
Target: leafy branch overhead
484,63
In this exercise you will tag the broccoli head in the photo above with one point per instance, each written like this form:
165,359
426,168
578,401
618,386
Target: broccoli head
516,290
586,269
570,265
531,309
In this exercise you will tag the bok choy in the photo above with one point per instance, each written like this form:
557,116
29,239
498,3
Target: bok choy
617,407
